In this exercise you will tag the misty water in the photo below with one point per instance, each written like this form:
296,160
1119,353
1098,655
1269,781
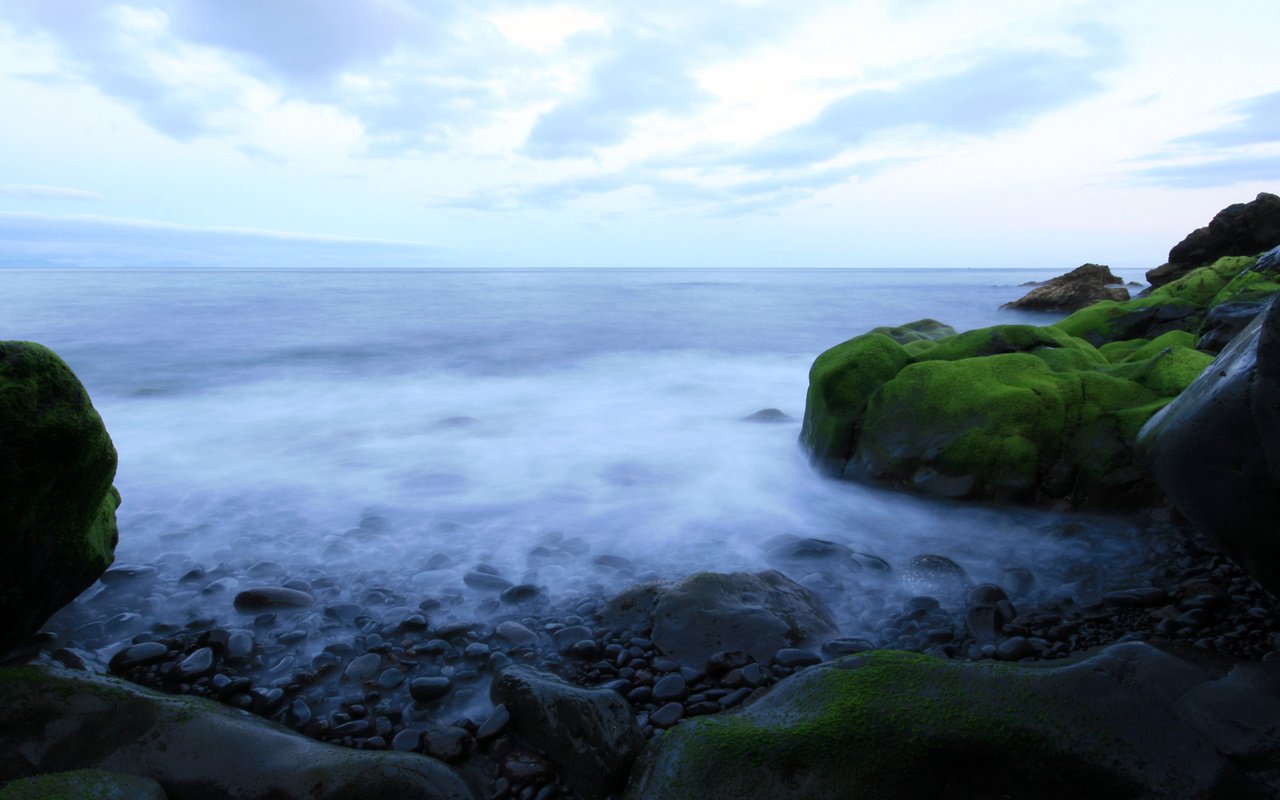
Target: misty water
387,432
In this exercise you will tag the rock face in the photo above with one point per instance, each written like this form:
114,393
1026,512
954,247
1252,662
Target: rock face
1013,413
710,612
57,505
591,733
898,725
1083,286
1242,229
1216,449
1208,301
53,720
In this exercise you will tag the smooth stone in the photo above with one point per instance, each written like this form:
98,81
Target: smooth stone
123,573
667,715
521,593
495,724
846,647
670,687
346,613
768,415
390,678
198,663
448,743
363,667
137,656
1144,597
985,594
425,690
567,637
793,657
486,582
1014,648
515,633
936,576
268,597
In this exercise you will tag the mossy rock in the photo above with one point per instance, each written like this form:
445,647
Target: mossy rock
1011,413
84,784
922,330
1130,722
57,505
1182,305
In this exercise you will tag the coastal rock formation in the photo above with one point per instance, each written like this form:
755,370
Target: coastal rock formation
1011,413
1241,229
1215,450
709,612
57,504
893,724
53,720
1208,301
591,733
1083,286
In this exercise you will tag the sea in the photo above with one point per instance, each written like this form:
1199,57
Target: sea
575,430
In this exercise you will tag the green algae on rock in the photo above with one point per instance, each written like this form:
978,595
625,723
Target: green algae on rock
57,504
1013,413
901,725
84,784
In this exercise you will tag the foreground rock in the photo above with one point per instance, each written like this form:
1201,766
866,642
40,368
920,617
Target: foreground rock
890,724
1212,302
84,784
53,720
1216,449
708,612
1241,229
1012,413
591,733
1082,286
57,505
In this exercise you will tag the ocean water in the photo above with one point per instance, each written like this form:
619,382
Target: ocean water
578,430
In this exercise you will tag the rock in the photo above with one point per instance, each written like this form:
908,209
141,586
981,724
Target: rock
794,658
84,784
486,582
768,415
53,720
495,724
269,597
1082,286
449,744
515,633
426,690
936,576
1011,413
196,664
709,612
1132,721
364,667
666,716
922,330
590,733
1240,229
138,655
1215,450
1224,322
1142,597
670,687
57,504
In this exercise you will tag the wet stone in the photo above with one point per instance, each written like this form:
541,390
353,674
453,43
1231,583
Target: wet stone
426,690
793,657
346,613
198,663
670,687
390,678
985,594
363,667
845,647
1145,597
414,622
268,597
137,656
667,715
567,637
515,633
936,576
495,724
407,741
1014,649
524,767
521,593
486,582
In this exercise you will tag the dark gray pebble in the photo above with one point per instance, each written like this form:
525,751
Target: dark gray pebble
425,690
138,655
667,715
794,657
267,597
198,663
495,724
670,687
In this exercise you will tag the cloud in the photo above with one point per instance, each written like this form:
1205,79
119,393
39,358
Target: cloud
93,241
645,76
1258,123
995,94
33,192
1216,172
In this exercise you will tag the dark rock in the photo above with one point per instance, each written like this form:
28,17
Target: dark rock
846,647
198,663
139,655
268,597
1241,229
984,594
1082,286
709,612
768,415
1215,450
1142,597
667,715
521,593
523,766
1224,322
515,633
792,658
363,667
84,784
670,687
449,744
57,504
591,733
936,576
486,582
1014,648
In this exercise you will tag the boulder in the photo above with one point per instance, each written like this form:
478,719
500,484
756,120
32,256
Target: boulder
54,720
57,504
591,733
84,784
1012,413
1130,722
1215,450
1241,229
708,612
1083,286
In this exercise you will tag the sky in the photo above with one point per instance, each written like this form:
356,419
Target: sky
718,133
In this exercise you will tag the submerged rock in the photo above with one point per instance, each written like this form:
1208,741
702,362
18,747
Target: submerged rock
57,504
1085,285
1216,449
53,720
710,612
1240,229
892,724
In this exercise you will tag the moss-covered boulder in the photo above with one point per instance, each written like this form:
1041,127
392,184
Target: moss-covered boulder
1240,229
1131,722
56,720
1190,303
57,504
1012,413
84,784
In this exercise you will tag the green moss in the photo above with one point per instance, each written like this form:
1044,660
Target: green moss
922,330
1249,285
84,784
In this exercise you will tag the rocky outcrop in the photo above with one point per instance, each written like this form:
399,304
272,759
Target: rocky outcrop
1241,229
1083,286
709,612
591,733
54,720
1216,449
57,504
1012,413
1208,301
84,784
898,725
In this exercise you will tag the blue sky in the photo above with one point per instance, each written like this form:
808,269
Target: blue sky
893,133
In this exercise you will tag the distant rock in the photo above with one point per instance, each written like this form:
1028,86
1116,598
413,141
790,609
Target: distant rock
57,504
1215,450
1083,286
1242,229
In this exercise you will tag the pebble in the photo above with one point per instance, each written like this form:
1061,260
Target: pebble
407,741
198,663
267,597
794,658
667,715
495,724
363,667
844,647
138,655
390,678
486,582
448,743
1145,597
425,690
670,687
515,633
520,593
1014,649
